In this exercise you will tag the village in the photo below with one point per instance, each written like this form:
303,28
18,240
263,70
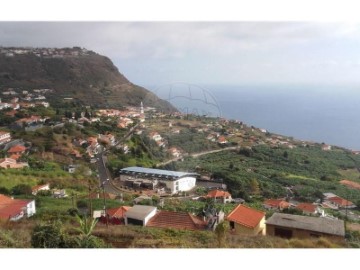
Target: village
143,192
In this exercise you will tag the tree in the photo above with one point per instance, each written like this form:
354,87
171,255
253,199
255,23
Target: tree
86,239
254,186
4,190
48,236
21,189
221,231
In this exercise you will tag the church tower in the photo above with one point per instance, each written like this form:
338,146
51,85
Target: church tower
141,108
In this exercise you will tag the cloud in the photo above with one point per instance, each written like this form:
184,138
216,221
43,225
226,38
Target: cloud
171,39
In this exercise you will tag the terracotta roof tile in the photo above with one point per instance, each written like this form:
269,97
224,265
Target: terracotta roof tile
176,220
340,201
246,216
218,193
350,184
10,207
17,148
277,203
307,207
117,212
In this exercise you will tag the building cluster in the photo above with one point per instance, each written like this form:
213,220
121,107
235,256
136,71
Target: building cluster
17,99
44,52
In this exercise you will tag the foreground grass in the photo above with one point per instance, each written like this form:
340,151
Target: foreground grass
18,235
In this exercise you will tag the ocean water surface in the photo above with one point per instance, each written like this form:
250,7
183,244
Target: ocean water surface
329,114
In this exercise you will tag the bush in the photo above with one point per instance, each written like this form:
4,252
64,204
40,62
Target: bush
81,204
4,191
21,189
73,212
48,236
44,193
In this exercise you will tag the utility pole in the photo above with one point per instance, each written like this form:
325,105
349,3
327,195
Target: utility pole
106,216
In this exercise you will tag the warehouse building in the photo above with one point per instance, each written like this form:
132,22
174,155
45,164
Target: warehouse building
172,181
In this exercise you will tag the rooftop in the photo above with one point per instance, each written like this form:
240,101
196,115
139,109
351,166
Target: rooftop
156,172
140,212
246,216
277,203
340,201
218,193
316,224
307,207
118,212
176,220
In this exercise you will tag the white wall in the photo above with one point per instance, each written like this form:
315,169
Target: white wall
183,184
153,213
31,209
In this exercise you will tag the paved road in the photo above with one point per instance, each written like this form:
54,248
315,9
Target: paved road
104,174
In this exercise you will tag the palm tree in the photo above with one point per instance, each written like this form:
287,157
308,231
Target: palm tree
86,239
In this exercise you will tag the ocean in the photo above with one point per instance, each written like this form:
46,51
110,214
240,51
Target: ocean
328,114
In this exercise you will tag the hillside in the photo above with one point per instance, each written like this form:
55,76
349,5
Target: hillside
77,73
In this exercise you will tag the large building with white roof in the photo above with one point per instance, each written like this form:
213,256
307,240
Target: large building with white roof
175,181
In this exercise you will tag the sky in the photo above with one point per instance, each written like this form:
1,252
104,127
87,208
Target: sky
208,52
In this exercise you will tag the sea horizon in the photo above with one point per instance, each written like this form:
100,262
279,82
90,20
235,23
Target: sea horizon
320,113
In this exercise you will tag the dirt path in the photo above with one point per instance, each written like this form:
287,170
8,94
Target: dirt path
196,155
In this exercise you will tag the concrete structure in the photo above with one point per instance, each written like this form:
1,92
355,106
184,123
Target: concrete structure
139,215
175,181
4,137
294,226
9,163
247,221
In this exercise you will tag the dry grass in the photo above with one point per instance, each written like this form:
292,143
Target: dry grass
18,235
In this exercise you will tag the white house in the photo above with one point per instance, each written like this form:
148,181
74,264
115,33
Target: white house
4,137
155,136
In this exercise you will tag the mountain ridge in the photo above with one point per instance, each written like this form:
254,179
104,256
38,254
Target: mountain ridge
78,73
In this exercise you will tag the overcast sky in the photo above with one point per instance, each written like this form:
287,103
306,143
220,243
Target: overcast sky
154,53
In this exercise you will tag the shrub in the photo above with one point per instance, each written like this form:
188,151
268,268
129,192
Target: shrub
21,189
48,236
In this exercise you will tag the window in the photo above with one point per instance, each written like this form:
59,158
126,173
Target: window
232,225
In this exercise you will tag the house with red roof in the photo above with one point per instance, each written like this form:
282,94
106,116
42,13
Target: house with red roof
221,196
17,149
310,209
340,202
276,204
222,140
38,188
177,220
13,209
155,136
174,152
244,220
115,215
